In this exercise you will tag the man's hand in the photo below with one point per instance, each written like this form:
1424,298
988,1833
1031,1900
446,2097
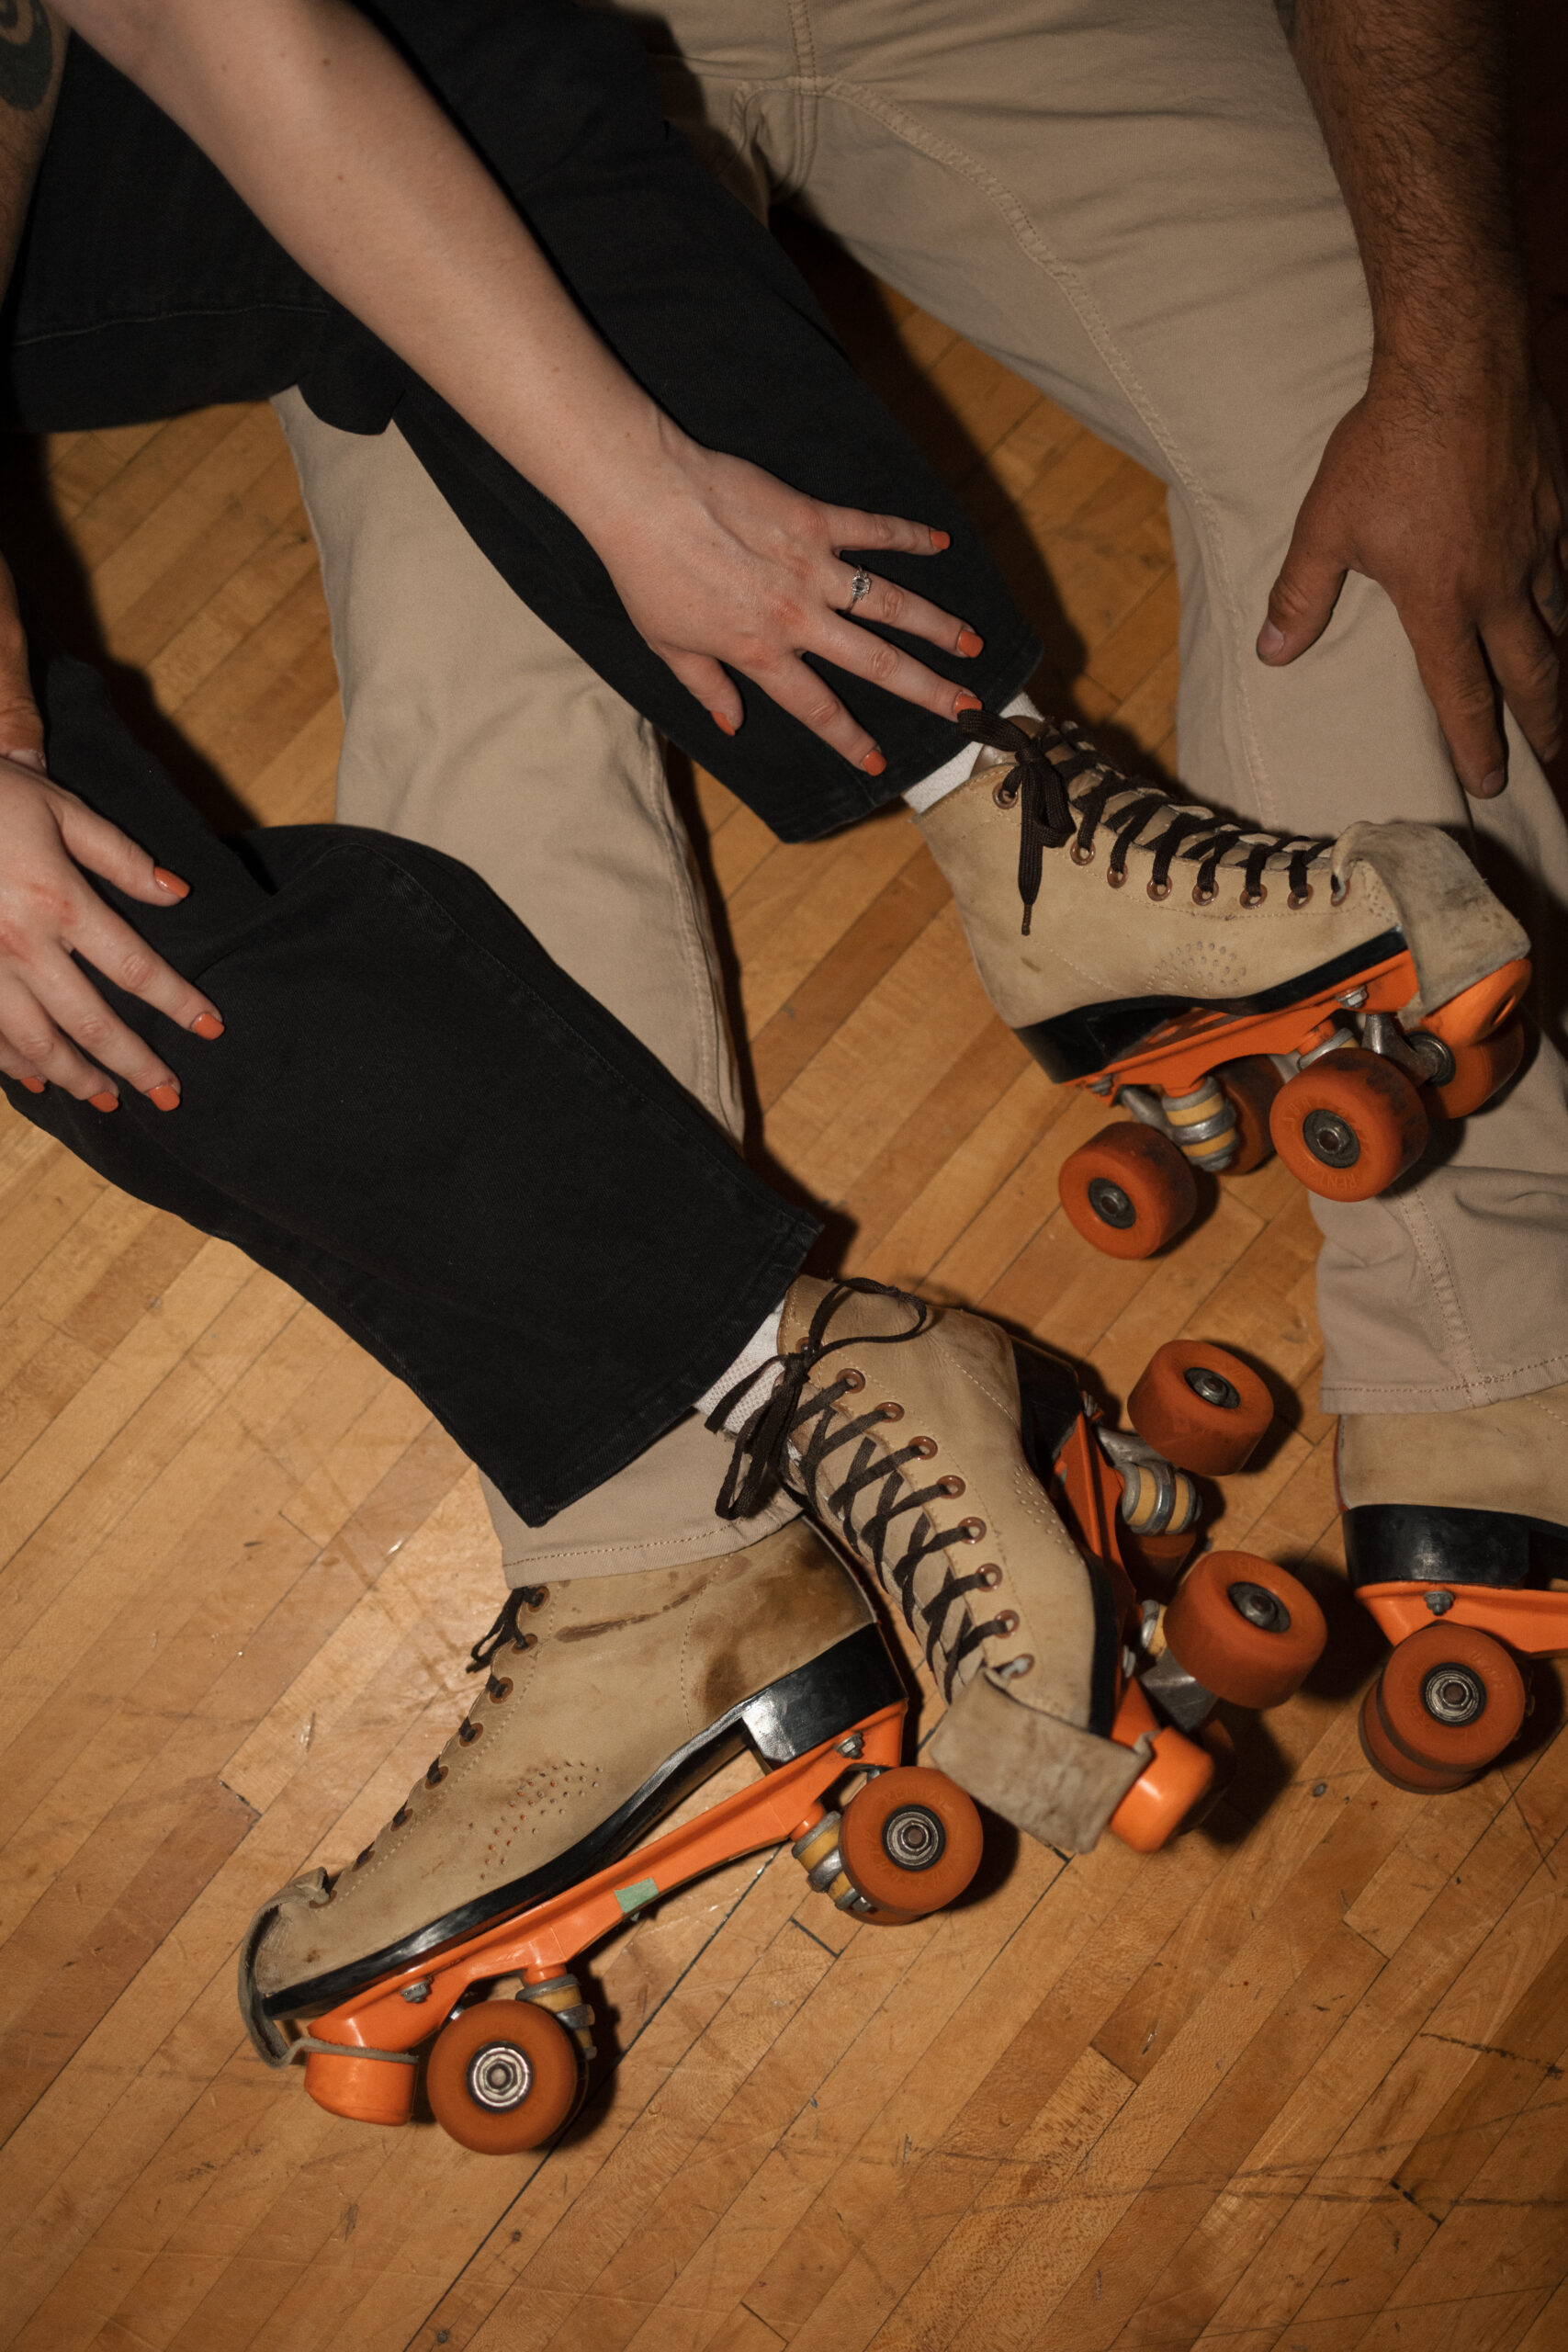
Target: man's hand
1445,484
1455,500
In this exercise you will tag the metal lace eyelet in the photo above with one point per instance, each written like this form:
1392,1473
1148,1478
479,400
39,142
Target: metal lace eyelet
1115,875
1298,899
521,1642
1201,897
853,1379
1159,890
972,1530
435,1775
469,1731
951,1486
1005,794
990,1575
536,1596
1008,1621
499,1688
1013,1666
924,1446
401,1818
1081,855
360,1859
891,1412
1254,898
1338,891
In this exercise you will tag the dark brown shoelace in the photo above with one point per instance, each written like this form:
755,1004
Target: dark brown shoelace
1048,763
796,1415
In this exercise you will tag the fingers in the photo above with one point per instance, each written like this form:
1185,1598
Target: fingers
710,684
895,608
866,656
58,1020
1524,660
1301,601
1461,691
103,849
1551,598
871,534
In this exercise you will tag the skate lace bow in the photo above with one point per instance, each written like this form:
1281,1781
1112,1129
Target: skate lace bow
793,1431
1049,817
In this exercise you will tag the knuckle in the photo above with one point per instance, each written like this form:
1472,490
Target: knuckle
883,664
136,968
895,604
822,711
94,1030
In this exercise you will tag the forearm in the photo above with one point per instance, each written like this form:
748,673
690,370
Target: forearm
31,55
356,171
1412,97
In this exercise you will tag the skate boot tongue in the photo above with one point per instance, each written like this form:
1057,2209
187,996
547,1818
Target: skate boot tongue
1049,760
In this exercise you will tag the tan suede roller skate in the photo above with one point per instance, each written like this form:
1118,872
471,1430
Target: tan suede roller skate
1237,991
606,1701
1029,1550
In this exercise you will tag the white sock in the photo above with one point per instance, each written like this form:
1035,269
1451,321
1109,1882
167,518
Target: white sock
757,1359
961,767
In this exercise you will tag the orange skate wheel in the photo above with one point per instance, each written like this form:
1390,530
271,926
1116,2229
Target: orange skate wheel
1128,1189
1250,1086
1386,1760
1450,1698
1245,1629
502,2076
1481,1009
1347,1126
911,1840
1201,1407
1479,1071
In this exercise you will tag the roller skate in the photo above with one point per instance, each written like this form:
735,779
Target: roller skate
606,1701
1237,992
1029,1550
1456,1541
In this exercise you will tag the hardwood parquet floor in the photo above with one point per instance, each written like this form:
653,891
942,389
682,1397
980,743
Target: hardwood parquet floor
1295,2083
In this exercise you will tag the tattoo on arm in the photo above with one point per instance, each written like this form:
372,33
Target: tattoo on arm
27,55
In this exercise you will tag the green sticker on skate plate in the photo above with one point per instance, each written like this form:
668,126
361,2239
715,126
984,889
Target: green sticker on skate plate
632,1898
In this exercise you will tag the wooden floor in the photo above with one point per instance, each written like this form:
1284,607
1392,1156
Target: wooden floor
1296,2083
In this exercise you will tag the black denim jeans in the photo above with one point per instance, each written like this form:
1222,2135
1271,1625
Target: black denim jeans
144,286
420,1122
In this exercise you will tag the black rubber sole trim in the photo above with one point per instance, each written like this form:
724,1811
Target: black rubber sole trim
1425,1544
799,1712
1081,1044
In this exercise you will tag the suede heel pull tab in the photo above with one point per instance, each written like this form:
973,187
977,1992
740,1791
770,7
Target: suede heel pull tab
761,1460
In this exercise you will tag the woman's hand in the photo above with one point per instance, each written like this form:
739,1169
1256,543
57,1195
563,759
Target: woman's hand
49,914
717,562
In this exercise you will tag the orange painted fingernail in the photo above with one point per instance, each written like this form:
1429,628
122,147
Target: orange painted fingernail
725,725
966,702
939,539
104,1101
170,882
207,1024
33,1085
165,1097
968,643
873,764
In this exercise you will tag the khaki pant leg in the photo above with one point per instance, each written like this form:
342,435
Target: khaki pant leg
1133,208
469,726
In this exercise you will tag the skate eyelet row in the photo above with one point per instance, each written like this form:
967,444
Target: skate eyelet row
1115,875
1159,890
951,1486
499,1688
1013,1668
1005,794
924,1446
1081,856
990,1575
972,1530
851,1379
1201,897
364,1855
401,1818
469,1731
891,1412
1254,898
1299,898
435,1775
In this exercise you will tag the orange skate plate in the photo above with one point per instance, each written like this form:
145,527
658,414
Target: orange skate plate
1535,1623
1180,1054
